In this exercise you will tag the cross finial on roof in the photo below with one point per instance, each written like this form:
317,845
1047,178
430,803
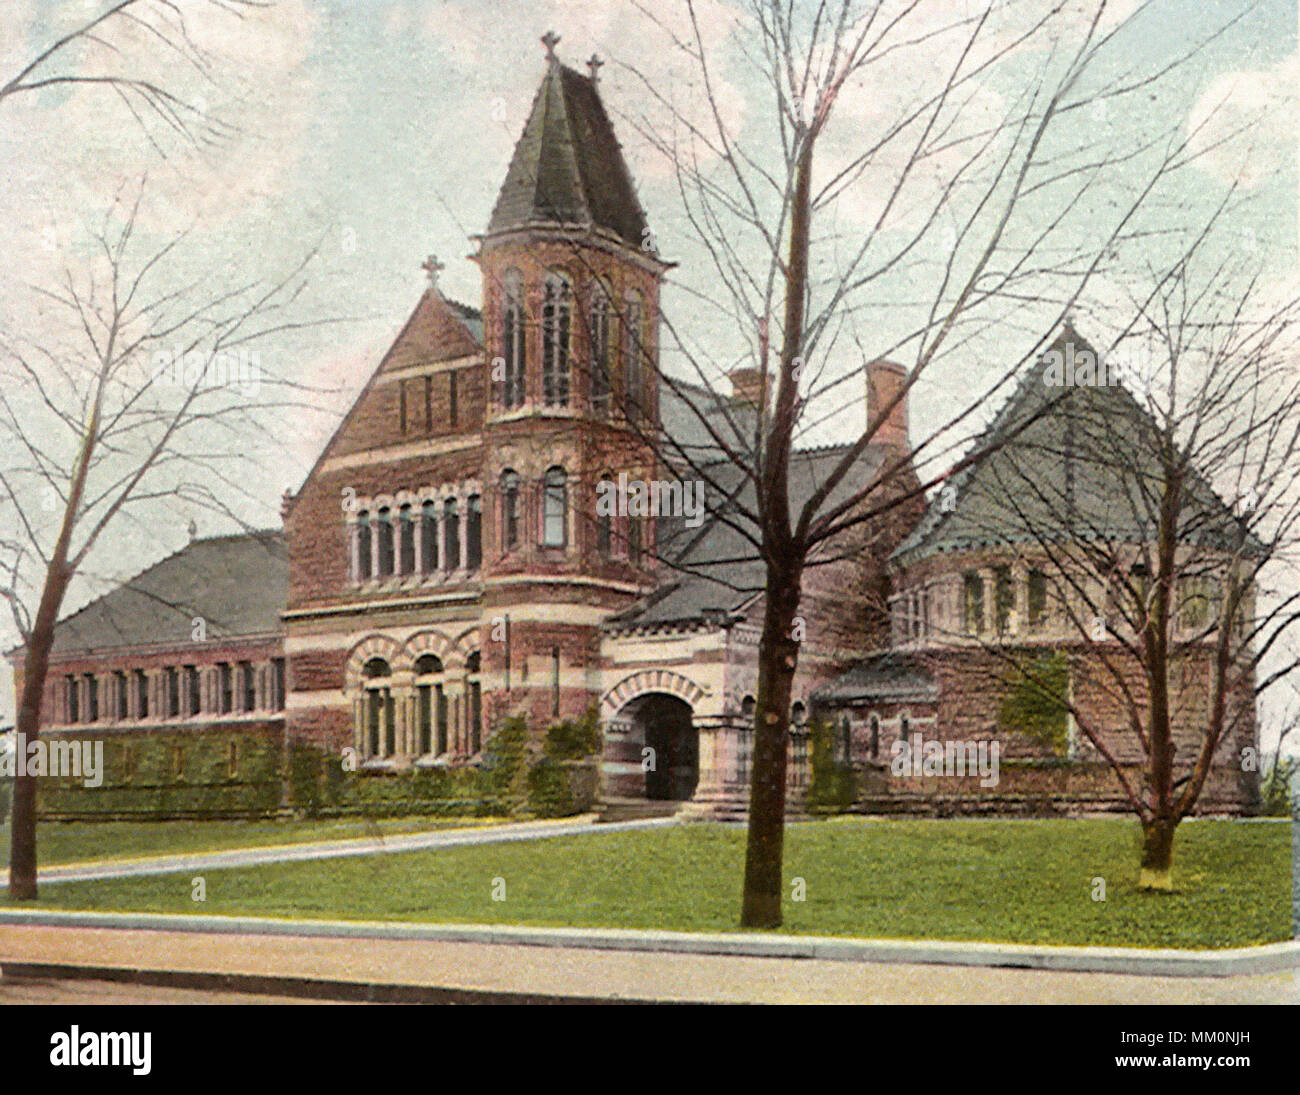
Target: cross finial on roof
431,266
550,40
593,67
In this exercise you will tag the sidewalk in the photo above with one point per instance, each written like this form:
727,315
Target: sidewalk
332,849
374,968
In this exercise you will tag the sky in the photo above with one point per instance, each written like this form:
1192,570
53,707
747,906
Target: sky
377,132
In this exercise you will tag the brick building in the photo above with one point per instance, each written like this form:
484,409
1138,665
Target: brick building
1017,584
446,564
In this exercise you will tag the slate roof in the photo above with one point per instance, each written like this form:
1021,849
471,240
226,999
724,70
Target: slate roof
239,584
1079,464
714,568
684,406
888,678
567,167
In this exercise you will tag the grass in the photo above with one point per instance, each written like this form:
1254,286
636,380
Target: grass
1002,881
60,843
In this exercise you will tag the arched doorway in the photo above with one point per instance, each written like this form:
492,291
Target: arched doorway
672,766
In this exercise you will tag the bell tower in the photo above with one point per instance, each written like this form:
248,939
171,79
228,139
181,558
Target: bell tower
571,282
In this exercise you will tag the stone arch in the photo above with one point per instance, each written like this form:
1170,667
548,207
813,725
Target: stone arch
373,646
447,650
650,680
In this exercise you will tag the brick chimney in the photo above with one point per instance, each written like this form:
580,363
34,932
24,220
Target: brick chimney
884,379
747,385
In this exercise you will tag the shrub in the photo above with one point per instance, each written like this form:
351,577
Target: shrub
832,787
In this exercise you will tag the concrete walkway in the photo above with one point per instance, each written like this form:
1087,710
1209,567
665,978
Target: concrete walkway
401,969
334,849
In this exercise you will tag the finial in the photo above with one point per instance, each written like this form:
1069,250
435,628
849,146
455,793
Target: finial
432,266
550,40
593,67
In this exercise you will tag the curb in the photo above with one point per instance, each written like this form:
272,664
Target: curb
1242,961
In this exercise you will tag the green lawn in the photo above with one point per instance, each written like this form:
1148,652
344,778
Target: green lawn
79,842
1011,881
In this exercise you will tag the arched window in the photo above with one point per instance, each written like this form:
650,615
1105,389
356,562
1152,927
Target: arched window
431,706
846,740
557,311
604,520
406,547
363,545
875,737
429,537
600,347
555,494
450,535
509,510
384,542
512,340
633,359
747,709
473,533
474,697
798,713
380,726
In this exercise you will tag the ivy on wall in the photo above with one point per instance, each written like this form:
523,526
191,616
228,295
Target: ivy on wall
1036,703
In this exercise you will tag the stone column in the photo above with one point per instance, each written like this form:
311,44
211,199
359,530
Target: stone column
457,738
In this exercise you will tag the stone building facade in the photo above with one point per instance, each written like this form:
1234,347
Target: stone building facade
445,564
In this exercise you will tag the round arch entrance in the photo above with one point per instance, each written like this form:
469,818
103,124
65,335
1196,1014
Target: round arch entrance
667,745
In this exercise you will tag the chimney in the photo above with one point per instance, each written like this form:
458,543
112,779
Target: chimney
884,379
747,385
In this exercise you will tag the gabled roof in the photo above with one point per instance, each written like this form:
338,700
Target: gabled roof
238,585
567,167
438,329
1067,463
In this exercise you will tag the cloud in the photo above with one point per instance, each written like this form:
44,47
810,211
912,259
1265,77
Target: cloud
1242,125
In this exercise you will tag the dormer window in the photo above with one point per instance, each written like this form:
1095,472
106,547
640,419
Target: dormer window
557,311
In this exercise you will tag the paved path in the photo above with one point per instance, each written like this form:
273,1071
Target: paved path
500,969
334,849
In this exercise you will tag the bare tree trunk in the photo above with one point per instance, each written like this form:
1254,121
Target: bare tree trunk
778,651
1158,853
22,826
778,657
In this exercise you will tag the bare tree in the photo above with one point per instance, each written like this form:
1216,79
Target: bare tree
156,107
1172,608
993,220
145,391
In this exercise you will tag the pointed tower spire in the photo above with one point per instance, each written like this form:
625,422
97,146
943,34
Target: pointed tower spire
568,168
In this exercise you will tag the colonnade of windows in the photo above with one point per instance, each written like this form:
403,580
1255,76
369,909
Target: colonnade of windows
425,713
618,366
435,536
170,692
